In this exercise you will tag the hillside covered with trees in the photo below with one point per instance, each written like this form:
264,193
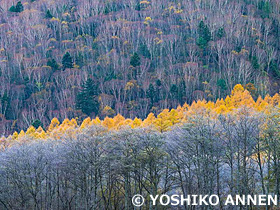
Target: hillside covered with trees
87,58
224,147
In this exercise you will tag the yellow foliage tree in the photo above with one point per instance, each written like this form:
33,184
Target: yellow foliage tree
31,131
108,111
222,109
73,123
15,135
149,120
228,103
162,121
108,123
136,123
117,120
96,121
21,134
65,124
276,99
86,122
239,98
54,124
124,123
40,133
173,117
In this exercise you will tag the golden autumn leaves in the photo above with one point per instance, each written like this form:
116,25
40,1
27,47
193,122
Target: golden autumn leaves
239,97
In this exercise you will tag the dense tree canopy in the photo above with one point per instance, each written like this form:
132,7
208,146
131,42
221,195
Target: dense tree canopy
196,49
224,147
87,98
102,100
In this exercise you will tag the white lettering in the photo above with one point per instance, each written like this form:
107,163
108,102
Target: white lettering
262,200
154,199
274,200
212,197
229,201
239,200
161,200
203,200
176,200
187,200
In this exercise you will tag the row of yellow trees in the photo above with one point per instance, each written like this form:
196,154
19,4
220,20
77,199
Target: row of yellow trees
239,97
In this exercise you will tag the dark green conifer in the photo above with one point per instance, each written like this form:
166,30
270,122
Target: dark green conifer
37,123
151,93
53,64
48,14
87,98
135,60
18,8
67,61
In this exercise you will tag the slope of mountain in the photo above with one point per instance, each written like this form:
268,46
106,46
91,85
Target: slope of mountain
70,59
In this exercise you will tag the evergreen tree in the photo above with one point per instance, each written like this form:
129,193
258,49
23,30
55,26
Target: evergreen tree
204,35
80,60
18,8
151,93
6,106
106,10
204,31
201,42
135,60
174,91
222,84
87,98
13,9
53,64
138,6
67,61
158,82
48,14
221,33
144,50
37,123
158,91
255,62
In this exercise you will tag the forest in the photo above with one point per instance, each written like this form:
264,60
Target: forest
224,147
103,100
77,59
